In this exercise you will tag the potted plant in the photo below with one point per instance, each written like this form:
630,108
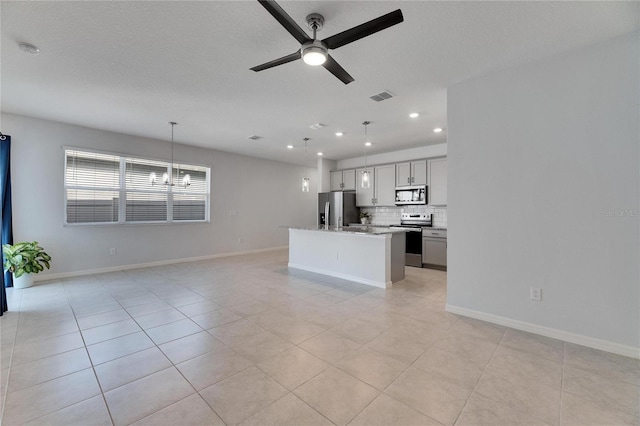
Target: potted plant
24,260
364,217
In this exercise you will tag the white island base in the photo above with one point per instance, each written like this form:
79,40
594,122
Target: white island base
375,259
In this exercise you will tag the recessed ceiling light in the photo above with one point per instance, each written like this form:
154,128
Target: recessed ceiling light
367,144
437,130
29,48
320,154
339,134
290,146
414,115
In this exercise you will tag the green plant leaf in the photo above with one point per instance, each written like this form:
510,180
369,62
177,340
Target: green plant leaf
25,257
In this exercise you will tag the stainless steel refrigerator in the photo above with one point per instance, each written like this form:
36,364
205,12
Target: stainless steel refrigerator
338,207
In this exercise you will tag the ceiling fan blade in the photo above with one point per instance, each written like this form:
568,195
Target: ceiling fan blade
276,62
364,30
285,20
334,68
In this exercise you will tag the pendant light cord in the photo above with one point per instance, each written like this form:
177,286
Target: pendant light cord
366,123
173,123
306,157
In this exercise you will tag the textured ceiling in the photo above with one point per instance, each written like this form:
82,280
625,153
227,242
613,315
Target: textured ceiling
132,66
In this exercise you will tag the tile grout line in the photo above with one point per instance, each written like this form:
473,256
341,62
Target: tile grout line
68,374
170,361
481,376
9,369
196,391
292,391
88,356
564,360
403,371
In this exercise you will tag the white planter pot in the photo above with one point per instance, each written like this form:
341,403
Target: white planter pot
26,280
364,220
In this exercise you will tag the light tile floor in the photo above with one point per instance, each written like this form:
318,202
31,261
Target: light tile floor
244,340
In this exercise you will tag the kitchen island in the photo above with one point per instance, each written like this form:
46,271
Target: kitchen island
367,255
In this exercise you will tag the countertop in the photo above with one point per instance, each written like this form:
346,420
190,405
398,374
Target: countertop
356,229
435,228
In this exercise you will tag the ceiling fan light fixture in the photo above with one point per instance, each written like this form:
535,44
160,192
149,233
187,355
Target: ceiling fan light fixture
314,53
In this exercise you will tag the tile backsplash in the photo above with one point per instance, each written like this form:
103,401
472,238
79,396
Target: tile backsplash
391,215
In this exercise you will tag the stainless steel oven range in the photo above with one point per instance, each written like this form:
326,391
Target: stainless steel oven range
414,222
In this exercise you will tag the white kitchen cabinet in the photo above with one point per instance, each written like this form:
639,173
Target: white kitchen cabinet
403,174
343,180
336,181
434,251
419,172
411,173
437,181
365,196
349,180
385,185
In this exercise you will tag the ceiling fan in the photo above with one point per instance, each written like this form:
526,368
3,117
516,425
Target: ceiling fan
316,52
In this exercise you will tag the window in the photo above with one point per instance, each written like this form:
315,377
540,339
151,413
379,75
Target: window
106,188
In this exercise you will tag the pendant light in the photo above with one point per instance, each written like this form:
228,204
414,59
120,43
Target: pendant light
365,181
305,178
167,178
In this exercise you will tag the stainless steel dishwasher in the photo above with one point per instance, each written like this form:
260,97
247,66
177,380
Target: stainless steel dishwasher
434,248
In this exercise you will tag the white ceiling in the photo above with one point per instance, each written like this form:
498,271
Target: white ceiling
132,66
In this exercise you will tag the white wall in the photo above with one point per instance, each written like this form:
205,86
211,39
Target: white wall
543,164
265,194
428,151
324,174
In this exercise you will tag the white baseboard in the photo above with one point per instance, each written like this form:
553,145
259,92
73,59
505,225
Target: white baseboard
578,339
379,284
50,277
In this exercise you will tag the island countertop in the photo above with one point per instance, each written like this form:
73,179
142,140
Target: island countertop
361,230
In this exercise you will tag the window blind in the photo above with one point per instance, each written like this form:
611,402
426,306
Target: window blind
105,188
92,187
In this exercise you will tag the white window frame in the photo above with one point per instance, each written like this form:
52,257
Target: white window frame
122,190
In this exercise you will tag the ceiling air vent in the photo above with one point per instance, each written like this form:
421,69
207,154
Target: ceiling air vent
254,137
382,96
317,126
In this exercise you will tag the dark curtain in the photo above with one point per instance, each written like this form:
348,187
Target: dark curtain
5,212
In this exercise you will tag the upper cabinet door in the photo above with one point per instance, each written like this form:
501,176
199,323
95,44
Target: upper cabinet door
403,174
419,172
336,181
349,180
438,182
364,196
385,185
413,173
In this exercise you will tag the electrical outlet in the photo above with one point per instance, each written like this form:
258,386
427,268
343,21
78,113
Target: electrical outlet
233,213
536,294
113,251
240,240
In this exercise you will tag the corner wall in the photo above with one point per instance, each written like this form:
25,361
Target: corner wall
544,191
264,194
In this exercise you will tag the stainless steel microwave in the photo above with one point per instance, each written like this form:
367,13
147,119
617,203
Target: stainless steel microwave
407,195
